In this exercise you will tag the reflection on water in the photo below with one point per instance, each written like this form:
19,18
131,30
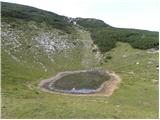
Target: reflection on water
84,90
81,82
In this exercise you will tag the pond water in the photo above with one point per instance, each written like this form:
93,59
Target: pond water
77,91
82,82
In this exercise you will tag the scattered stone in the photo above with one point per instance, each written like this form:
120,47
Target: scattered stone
131,72
155,81
153,50
118,106
124,56
74,23
157,67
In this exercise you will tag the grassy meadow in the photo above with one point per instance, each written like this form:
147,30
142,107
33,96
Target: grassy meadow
38,44
136,97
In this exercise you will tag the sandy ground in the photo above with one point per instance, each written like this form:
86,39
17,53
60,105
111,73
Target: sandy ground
106,89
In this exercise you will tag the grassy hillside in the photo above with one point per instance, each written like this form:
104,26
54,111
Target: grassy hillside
33,14
39,46
137,96
106,36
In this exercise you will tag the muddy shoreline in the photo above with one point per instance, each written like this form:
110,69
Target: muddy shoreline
106,88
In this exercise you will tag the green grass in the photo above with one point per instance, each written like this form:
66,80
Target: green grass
136,97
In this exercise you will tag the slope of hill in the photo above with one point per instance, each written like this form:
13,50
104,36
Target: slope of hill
33,14
106,36
37,44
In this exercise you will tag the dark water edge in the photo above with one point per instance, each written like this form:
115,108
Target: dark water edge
81,86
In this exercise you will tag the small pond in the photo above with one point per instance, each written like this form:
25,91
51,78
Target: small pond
79,82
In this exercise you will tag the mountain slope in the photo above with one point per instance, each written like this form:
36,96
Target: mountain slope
106,36
33,14
37,44
39,47
100,31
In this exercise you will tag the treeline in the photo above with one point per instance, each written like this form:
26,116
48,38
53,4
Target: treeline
91,23
106,36
104,39
140,39
27,13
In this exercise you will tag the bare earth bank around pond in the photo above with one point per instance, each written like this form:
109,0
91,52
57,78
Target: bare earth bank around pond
106,88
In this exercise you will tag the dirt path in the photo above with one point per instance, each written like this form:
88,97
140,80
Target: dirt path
106,89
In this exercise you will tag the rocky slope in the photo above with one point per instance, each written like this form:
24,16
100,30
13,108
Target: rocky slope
42,45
